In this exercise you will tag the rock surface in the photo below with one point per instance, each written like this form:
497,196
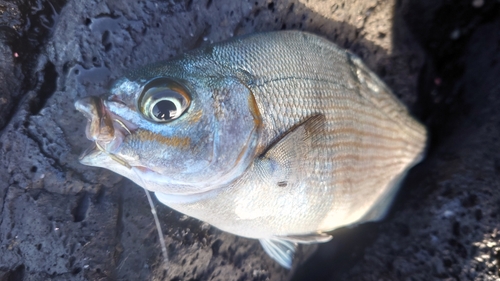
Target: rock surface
61,220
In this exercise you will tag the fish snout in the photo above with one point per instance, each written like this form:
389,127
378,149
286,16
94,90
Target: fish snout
100,123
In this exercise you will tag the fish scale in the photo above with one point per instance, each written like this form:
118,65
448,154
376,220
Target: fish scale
287,91
287,138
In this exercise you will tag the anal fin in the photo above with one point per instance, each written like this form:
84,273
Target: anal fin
309,239
280,250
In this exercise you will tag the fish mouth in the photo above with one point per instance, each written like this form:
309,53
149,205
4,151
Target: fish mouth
105,129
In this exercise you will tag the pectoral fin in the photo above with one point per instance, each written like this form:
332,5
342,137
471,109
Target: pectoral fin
299,140
280,250
281,163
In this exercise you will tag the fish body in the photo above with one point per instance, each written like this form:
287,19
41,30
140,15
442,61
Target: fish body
279,136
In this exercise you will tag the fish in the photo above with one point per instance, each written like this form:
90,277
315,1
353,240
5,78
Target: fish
278,136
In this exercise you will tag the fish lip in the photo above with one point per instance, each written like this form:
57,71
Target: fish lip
106,129
88,154
98,119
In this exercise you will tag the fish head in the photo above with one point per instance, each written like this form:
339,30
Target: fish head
181,132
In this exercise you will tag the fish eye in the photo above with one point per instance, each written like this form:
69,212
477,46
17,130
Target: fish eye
163,100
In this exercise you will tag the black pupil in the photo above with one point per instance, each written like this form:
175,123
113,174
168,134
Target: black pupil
164,110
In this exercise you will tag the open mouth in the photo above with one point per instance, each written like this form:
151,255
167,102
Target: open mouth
104,128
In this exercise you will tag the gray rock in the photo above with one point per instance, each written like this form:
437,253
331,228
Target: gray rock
10,71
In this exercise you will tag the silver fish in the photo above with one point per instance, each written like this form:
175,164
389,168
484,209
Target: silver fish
280,136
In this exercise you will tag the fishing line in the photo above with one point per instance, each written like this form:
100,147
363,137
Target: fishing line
157,221
150,200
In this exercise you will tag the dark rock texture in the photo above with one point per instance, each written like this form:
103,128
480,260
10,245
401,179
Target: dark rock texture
10,71
61,220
